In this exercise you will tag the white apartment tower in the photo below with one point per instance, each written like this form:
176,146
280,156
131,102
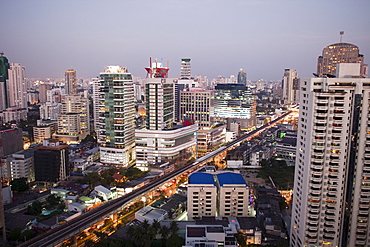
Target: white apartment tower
116,122
185,72
331,205
16,86
290,86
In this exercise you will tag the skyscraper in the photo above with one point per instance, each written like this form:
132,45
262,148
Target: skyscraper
331,202
162,140
339,53
4,67
16,86
290,86
116,122
242,77
70,82
185,73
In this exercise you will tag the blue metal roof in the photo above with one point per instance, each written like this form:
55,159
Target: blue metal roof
201,178
230,178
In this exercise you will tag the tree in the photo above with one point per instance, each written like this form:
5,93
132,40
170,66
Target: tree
20,185
27,235
156,226
173,227
175,241
35,208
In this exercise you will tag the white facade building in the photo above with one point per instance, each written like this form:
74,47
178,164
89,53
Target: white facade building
290,86
17,86
331,205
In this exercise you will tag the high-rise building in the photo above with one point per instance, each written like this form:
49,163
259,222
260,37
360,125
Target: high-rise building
222,194
116,122
74,120
195,105
16,86
51,161
43,88
331,205
185,73
22,165
162,140
4,67
234,102
290,86
242,77
339,53
70,82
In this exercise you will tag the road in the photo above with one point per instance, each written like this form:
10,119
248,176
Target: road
78,224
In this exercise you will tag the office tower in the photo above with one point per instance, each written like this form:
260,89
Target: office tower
4,67
195,105
339,53
162,140
290,86
242,77
70,82
221,194
332,177
185,73
233,102
51,161
43,88
16,86
116,122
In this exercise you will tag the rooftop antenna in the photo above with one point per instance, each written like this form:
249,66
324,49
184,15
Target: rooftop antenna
1,54
341,33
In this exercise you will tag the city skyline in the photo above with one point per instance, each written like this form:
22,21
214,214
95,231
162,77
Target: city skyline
262,37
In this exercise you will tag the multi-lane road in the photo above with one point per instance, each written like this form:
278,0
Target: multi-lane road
73,227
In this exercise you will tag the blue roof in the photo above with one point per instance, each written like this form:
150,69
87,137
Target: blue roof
230,178
201,178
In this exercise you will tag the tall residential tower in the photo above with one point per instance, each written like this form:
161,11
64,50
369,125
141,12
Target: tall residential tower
331,205
116,122
290,86
70,82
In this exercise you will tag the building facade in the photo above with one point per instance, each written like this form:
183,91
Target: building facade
290,86
116,122
332,177
70,82
185,72
51,161
16,86
242,77
4,67
222,194
339,53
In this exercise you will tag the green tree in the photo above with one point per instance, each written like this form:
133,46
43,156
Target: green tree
175,241
173,227
156,226
27,235
20,185
35,208
14,234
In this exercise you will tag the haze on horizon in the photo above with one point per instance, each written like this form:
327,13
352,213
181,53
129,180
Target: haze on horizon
220,36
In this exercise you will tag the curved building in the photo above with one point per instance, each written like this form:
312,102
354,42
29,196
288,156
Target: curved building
339,53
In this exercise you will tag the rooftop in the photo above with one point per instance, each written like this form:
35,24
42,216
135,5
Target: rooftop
230,178
201,178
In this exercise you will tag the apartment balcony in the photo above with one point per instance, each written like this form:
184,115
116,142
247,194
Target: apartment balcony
333,179
320,114
337,121
361,236
332,186
319,134
329,235
364,206
367,155
320,121
334,166
320,148
360,242
338,129
366,168
312,229
316,173
330,211
313,221
312,241
317,160
336,161
317,167
365,194
329,227
339,108
313,210
320,141
338,101
311,234
321,101
362,218
365,200
318,180
313,216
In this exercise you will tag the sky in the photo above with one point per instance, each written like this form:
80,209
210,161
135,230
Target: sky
263,37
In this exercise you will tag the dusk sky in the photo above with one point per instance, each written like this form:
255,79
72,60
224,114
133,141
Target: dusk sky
220,36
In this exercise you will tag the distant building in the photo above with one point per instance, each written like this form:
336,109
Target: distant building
51,161
234,103
44,130
151,214
242,77
16,86
290,87
185,72
10,141
337,53
70,82
22,165
43,88
210,236
4,67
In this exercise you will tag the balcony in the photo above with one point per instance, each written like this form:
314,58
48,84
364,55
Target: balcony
321,101
320,121
316,173
338,108
360,242
319,134
318,167
320,114
313,216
